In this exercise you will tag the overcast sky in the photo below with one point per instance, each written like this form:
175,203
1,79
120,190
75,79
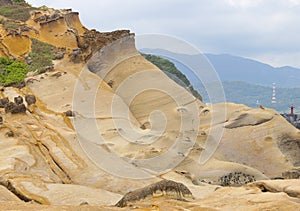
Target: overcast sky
267,30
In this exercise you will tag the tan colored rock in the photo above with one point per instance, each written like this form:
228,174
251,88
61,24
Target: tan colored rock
7,196
290,187
248,199
162,188
88,161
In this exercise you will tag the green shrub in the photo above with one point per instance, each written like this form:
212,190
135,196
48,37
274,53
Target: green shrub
170,69
19,1
10,25
12,71
16,12
42,55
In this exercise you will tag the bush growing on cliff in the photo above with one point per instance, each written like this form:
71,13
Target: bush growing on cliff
12,71
170,70
19,1
10,25
16,12
41,55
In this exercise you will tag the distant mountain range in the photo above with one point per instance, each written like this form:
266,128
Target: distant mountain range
234,68
244,80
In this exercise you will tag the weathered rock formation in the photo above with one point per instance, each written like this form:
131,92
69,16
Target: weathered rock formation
292,174
46,157
163,188
30,99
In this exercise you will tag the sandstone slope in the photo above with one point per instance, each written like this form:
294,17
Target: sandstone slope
44,157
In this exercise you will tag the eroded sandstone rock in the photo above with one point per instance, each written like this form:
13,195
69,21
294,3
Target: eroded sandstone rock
70,113
292,174
3,102
15,108
236,179
30,99
162,188
18,100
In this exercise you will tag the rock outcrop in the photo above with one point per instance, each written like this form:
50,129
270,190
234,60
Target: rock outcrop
292,174
163,188
89,160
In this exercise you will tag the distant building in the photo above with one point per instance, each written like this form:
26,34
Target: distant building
293,118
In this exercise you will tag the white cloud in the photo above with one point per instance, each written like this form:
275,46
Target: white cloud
279,59
239,27
244,3
294,2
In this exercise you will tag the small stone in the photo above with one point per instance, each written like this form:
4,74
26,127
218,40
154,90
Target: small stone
59,56
10,134
28,60
70,113
57,75
110,83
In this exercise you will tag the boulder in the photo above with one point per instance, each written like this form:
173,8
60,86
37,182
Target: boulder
9,106
3,102
15,108
164,187
19,109
18,100
236,179
30,99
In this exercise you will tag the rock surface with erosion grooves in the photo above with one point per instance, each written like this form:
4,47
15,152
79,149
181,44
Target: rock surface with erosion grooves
166,188
51,156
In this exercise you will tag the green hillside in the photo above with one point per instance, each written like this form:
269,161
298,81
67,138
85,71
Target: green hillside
239,92
172,72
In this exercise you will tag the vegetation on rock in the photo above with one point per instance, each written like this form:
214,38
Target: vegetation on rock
9,24
16,12
170,70
41,55
12,71
19,1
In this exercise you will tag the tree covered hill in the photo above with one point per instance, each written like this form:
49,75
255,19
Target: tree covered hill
172,72
254,95
246,81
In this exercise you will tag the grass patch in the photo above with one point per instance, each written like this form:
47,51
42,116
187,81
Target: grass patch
41,55
12,71
10,25
16,12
